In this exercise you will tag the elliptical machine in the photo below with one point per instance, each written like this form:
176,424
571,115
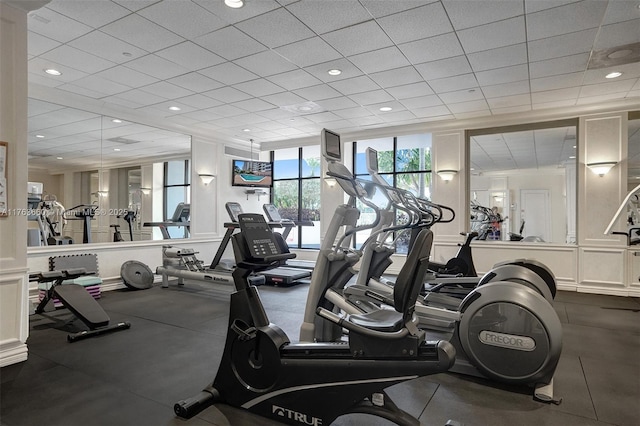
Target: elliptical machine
314,383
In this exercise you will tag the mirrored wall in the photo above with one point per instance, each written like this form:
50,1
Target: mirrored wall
98,179
523,182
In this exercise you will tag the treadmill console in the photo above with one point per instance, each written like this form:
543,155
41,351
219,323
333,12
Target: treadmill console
272,213
258,235
234,210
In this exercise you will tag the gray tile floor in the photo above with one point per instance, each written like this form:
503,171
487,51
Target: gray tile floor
173,348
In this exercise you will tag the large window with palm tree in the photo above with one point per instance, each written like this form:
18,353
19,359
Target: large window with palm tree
404,162
296,192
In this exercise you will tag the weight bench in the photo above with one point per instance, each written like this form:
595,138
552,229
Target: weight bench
75,298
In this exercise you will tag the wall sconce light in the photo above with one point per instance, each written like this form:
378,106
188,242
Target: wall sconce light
102,193
145,191
601,168
447,175
207,178
331,182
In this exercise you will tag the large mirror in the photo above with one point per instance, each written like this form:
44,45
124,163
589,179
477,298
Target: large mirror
523,183
98,179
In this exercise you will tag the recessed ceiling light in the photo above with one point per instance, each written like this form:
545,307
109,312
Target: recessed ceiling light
40,136
246,130
116,149
385,109
59,158
572,157
614,74
334,72
305,108
174,108
115,120
52,71
235,4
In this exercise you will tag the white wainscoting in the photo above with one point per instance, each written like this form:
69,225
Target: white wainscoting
13,314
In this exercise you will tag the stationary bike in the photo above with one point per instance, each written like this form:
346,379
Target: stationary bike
314,383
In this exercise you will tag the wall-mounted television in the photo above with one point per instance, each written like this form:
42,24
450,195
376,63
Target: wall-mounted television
257,174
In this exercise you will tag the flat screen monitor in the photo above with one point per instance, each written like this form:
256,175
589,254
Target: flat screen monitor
372,160
257,174
181,213
331,147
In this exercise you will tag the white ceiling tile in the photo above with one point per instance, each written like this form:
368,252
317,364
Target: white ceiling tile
101,85
284,99
379,60
134,5
606,88
410,90
322,117
450,84
367,120
308,52
620,11
618,34
503,75
39,44
423,22
198,101
432,49
77,59
348,41
326,16
140,32
167,90
253,105
224,122
187,19
466,13
232,16
53,25
564,65
506,89
582,100
379,8
373,97
127,76
497,58
251,118
95,14
230,43
162,108
202,115
565,19
444,68
38,65
227,94
265,63
275,28
479,105
272,125
259,87
461,96
131,100
538,5
354,112
43,79
320,71
562,45
511,110
556,82
107,47
296,79
195,82
190,56
509,101
394,105
355,85
228,73
157,67
276,114
598,75
396,77
555,95
395,117
337,103
490,36
226,110
434,111
421,102
317,93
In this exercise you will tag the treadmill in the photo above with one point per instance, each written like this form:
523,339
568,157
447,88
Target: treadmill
281,276
273,216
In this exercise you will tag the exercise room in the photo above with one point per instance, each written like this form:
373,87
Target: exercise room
315,212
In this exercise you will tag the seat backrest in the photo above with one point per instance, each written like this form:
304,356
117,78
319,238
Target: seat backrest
411,276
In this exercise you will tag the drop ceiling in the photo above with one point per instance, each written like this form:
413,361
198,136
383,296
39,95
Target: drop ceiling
261,71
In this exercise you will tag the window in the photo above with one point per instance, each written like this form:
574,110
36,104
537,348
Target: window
404,162
177,181
296,192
